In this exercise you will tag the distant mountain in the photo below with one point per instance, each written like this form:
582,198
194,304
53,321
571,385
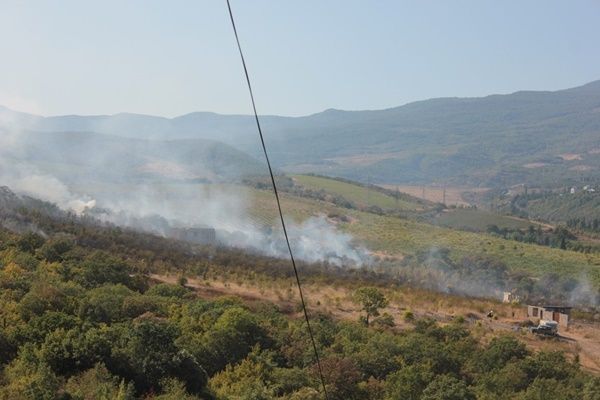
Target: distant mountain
77,157
544,138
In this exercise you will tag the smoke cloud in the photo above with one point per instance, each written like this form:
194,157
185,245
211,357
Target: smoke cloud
69,170
228,210
26,178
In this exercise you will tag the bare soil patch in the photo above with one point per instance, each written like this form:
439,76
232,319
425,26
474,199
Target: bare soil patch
582,339
535,165
570,156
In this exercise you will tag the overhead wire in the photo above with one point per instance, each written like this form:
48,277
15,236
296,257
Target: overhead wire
278,201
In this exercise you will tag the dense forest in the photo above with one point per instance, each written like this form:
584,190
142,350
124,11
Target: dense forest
82,319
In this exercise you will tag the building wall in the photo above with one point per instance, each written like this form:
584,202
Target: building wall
539,313
533,312
564,320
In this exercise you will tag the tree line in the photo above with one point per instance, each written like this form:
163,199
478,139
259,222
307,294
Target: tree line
79,322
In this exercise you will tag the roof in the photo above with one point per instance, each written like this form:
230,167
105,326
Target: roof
556,307
552,307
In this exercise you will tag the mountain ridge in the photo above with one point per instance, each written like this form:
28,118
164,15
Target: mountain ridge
496,140
589,85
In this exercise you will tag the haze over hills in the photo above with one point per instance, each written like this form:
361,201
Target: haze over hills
540,138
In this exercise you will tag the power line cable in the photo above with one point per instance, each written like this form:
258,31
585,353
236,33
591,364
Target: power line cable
287,240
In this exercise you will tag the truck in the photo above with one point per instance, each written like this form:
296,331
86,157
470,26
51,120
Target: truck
545,328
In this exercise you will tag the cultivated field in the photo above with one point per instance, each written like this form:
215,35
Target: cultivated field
479,220
454,195
400,237
389,235
359,195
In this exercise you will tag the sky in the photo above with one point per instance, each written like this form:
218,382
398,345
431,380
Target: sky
170,58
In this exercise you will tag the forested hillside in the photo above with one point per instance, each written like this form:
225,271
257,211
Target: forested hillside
542,138
82,319
87,157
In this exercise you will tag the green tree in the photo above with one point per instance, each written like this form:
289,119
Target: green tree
378,356
174,390
27,378
97,383
341,378
30,242
499,352
306,393
55,249
39,326
591,391
150,355
446,387
544,388
510,379
68,352
167,290
407,383
550,365
252,379
100,268
49,296
231,338
105,303
371,300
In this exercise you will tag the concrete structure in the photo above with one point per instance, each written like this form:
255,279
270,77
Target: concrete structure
559,314
510,297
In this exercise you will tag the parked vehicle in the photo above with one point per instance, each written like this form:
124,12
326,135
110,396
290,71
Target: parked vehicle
546,328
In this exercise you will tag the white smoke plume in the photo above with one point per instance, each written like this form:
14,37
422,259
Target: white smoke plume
314,240
28,162
584,293
25,178
226,208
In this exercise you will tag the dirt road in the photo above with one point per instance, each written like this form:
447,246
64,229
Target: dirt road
582,339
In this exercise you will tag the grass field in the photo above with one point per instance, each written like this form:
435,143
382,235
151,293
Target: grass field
479,220
452,196
396,236
359,195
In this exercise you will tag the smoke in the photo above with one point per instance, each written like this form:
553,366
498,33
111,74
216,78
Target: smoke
433,269
92,174
485,277
584,293
314,240
26,178
228,209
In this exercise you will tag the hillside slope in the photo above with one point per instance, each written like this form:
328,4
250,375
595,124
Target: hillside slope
538,137
93,157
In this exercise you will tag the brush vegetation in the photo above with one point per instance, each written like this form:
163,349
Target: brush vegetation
393,235
81,319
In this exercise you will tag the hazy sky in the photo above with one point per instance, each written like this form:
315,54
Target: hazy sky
173,57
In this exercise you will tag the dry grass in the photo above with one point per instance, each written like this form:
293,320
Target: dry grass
454,195
582,339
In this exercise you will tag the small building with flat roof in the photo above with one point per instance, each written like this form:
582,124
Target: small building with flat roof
560,314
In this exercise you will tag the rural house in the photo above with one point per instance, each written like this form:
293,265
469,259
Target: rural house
559,314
